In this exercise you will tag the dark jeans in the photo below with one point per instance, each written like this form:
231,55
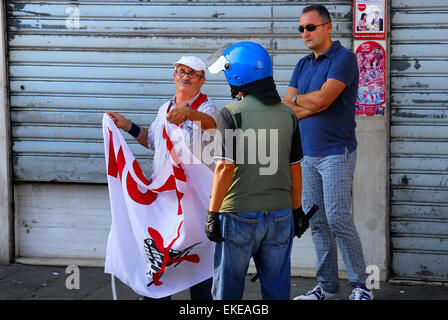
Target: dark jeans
267,236
200,291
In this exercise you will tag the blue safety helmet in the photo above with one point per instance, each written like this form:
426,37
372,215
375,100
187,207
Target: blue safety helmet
243,63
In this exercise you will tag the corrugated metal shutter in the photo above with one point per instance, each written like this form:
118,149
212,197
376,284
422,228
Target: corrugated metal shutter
120,59
419,139
62,80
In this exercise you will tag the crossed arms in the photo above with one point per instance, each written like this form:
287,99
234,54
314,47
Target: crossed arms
315,101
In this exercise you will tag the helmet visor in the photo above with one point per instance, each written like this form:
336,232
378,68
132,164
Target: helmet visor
218,65
217,61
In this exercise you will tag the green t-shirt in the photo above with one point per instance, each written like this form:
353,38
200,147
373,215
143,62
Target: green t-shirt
262,141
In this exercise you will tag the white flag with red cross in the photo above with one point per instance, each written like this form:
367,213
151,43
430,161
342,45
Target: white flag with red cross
157,244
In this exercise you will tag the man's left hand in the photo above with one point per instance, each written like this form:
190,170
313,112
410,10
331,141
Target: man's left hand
300,222
178,115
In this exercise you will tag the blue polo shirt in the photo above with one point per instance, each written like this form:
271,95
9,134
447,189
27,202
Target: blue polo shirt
332,130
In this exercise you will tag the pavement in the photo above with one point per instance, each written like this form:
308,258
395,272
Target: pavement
27,282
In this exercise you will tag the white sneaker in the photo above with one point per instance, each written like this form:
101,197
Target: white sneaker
361,293
316,294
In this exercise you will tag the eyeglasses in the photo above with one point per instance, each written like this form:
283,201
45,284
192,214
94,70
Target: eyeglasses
193,75
310,27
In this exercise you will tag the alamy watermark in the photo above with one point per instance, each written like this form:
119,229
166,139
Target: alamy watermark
73,281
72,21
250,146
373,280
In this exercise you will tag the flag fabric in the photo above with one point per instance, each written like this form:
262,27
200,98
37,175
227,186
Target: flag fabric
157,244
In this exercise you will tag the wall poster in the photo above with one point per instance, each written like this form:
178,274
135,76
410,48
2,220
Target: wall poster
370,49
370,19
372,78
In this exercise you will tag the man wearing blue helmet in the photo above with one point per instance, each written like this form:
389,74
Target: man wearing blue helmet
250,207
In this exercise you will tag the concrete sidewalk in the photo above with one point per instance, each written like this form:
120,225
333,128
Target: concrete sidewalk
25,282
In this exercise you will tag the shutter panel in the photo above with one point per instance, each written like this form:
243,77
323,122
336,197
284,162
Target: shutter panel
419,140
120,58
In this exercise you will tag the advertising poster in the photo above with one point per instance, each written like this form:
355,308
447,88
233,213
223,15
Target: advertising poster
370,19
372,78
370,48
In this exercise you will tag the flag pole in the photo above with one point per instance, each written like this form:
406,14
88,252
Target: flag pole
114,292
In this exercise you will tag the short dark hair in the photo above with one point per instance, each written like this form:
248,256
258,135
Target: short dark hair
321,10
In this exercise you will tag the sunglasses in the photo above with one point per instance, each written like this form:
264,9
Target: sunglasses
310,27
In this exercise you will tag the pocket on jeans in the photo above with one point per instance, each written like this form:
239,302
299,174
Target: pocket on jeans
240,231
223,222
282,230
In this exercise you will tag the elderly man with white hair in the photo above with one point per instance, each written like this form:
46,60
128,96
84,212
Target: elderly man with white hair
189,108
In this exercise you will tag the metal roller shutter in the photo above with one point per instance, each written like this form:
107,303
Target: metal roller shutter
120,58
62,79
419,139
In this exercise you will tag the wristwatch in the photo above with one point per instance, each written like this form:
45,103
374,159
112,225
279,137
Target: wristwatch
294,99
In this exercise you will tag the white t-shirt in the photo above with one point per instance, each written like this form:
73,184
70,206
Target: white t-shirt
190,132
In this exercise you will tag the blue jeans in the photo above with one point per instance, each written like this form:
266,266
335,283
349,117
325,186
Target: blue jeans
200,291
327,182
267,237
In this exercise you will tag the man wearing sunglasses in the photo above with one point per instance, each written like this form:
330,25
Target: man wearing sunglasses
322,93
188,108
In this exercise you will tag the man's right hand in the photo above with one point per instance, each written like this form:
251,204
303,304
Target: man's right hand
120,121
213,227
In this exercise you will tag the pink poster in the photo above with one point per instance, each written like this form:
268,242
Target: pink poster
372,79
